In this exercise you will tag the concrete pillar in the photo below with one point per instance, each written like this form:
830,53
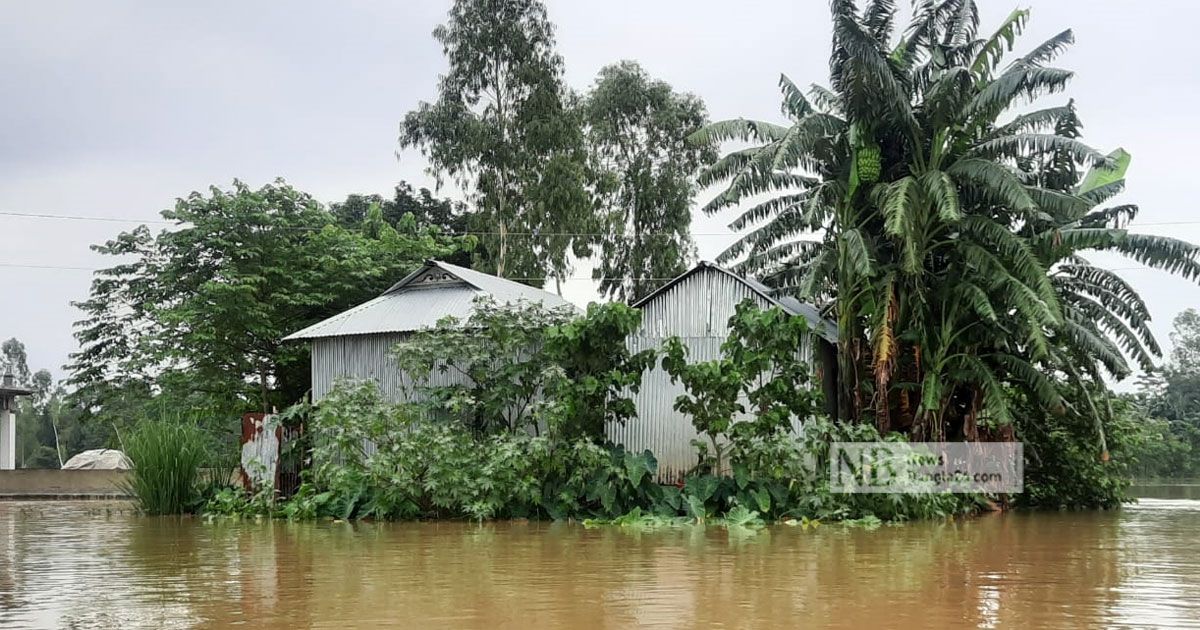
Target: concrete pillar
8,435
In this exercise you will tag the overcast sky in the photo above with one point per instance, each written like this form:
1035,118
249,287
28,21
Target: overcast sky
114,109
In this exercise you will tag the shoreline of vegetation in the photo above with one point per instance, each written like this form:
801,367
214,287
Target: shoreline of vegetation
523,438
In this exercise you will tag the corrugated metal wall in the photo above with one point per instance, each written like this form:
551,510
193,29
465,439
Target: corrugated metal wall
360,358
697,310
366,357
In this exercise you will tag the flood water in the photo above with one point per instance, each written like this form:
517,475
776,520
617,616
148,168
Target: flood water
87,564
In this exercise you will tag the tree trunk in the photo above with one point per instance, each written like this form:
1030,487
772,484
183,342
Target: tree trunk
57,444
503,240
262,388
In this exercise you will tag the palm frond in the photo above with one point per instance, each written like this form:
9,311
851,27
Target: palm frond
1026,144
1034,121
940,189
1001,42
856,252
1091,342
794,105
1103,192
1116,217
1033,378
739,129
750,182
1161,252
778,205
1000,182
1049,49
825,100
1018,81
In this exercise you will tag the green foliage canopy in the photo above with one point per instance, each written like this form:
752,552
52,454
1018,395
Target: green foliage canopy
642,168
946,235
503,127
200,310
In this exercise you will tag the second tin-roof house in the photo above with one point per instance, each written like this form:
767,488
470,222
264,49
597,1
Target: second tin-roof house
697,307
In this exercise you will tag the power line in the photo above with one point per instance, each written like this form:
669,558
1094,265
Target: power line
71,217
56,267
546,278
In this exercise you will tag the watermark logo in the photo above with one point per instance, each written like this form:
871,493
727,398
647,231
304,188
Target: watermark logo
923,467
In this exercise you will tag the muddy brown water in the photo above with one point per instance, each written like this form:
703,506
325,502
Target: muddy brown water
88,564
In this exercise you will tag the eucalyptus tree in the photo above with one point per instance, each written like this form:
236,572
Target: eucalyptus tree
504,129
943,231
643,169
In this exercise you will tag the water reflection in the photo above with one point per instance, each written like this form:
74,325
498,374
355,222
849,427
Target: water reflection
96,565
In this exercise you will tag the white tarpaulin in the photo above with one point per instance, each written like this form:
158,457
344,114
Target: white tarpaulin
99,459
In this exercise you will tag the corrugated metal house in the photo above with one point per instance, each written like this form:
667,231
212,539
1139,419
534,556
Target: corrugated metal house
696,307
356,344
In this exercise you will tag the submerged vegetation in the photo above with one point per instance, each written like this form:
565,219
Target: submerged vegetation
174,468
435,459
381,461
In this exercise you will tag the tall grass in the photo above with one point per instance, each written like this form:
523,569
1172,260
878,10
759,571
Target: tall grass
168,458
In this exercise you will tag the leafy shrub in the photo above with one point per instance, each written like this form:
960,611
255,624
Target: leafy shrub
168,460
427,469
595,373
497,352
761,365
525,367
1065,466
784,476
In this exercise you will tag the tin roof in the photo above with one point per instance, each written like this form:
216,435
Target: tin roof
821,326
436,290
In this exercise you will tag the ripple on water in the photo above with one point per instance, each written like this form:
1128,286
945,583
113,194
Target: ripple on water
86,564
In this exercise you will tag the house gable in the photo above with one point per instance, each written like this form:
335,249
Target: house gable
697,304
425,296
701,302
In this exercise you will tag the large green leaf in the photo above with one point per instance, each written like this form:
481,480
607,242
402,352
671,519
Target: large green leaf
1104,175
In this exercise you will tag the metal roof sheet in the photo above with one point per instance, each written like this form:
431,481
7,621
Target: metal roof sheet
822,327
405,308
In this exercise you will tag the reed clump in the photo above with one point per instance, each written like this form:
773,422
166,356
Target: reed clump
169,460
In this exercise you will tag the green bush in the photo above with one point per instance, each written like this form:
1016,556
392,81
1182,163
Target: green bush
1065,466
168,461
422,469
784,476
524,367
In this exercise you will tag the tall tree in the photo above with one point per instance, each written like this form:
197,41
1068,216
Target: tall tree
643,171
13,360
1174,389
201,309
948,236
503,128
451,217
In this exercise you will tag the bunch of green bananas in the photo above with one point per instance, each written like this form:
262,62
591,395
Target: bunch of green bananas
868,158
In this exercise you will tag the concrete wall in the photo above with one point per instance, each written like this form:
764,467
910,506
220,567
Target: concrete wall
50,484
